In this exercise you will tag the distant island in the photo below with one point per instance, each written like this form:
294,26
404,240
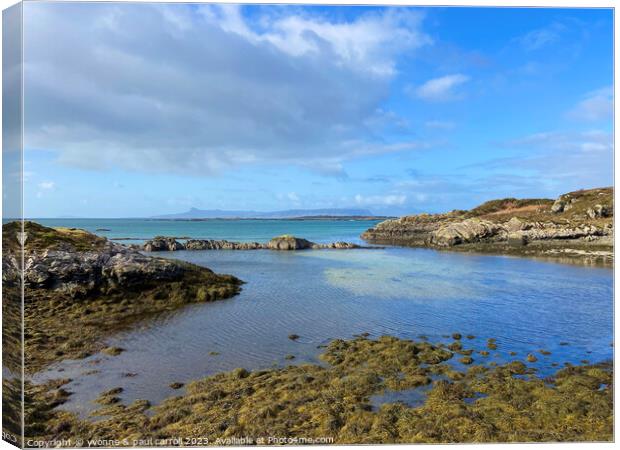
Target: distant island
302,214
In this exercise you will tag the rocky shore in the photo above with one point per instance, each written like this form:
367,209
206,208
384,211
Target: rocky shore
80,287
285,242
465,396
578,224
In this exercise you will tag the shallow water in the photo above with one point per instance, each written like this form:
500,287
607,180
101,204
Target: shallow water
525,304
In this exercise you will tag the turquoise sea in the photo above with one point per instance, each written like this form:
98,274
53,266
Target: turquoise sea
235,230
526,304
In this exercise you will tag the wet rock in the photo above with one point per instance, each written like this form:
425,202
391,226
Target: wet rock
466,360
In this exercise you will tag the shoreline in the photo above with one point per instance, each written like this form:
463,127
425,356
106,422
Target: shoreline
459,386
451,370
578,225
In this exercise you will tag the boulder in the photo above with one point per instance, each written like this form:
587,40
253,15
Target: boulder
563,203
163,244
288,242
514,224
598,211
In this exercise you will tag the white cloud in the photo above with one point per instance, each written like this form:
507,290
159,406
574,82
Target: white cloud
292,196
47,185
199,93
368,43
385,200
596,105
442,88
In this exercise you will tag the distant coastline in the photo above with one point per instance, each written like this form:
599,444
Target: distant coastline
206,219
279,218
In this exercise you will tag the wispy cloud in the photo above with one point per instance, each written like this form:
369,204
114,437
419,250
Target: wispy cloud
385,200
562,158
440,89
596,105
541,37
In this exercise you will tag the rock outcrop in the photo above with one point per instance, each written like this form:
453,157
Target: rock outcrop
78,287
285,243
579,222
469,230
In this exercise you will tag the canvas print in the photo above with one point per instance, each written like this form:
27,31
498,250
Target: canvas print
229,224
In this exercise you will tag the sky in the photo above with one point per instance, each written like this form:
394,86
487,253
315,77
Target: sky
135,110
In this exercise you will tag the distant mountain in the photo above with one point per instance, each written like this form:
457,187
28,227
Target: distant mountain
194,213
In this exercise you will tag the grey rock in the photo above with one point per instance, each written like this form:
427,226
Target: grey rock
598,211
467,231
289,243
162,243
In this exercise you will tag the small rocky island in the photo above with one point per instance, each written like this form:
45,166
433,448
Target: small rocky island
80,287
285,242
578,224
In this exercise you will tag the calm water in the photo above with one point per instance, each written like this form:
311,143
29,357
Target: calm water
525,304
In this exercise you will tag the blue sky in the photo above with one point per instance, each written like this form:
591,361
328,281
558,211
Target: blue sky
138,110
